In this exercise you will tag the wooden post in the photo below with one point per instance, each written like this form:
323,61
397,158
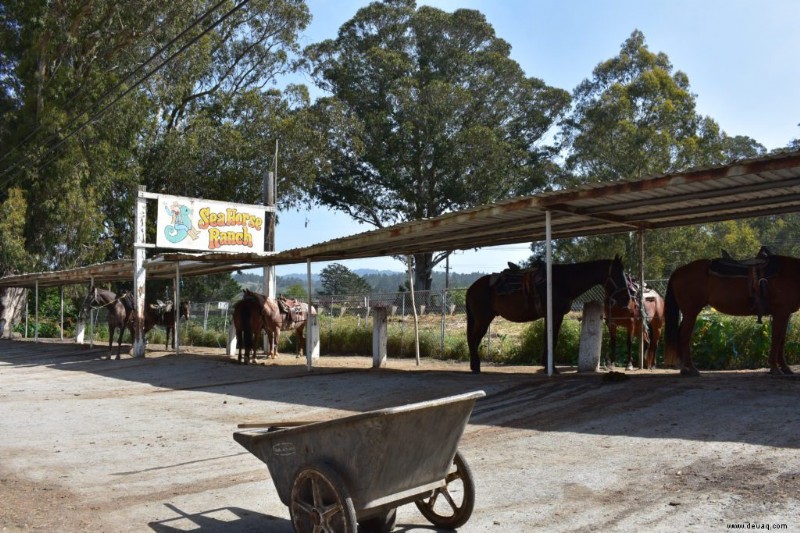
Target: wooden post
312,326
591,337
379,335
549,257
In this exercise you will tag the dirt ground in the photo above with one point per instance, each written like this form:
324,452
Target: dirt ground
89,444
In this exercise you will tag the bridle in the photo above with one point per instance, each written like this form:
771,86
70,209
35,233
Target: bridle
93,300
615,289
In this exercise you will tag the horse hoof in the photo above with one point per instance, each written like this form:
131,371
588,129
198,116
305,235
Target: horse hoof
690,372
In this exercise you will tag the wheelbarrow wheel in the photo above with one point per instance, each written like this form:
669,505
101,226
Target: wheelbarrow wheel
320,502
451,506
383,523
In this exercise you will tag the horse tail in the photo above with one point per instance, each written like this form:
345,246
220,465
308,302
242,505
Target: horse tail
246,328
671,326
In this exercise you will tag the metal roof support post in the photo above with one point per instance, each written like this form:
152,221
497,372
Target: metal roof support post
549,258
642,311
91,317
176,308
268,272
414,308
139,272
61,297
36,314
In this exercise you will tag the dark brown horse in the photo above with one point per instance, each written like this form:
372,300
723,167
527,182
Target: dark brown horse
119,313
693,286
629,317
525,299
163,314
248,324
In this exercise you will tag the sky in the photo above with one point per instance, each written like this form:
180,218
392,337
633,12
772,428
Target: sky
742,59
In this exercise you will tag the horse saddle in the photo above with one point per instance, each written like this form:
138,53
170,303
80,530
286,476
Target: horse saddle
161,308
757,270
528,281
292,310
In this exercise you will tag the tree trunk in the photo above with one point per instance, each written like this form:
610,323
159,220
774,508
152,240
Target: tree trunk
12,305
423,271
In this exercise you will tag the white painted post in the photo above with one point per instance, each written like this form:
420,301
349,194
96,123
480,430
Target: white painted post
312,326
139,273
591,337
230,349
379,335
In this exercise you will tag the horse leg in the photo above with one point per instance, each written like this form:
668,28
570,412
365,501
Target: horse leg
119,340
685,342
652,345
301,340
629,366
777,358
111,331
612,345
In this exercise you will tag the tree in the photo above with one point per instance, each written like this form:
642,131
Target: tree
203,124
338,279
428,114
198,124
636,117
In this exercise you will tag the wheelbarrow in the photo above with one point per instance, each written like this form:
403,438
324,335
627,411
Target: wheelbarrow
350,474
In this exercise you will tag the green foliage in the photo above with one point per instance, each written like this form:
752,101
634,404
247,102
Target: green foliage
338,279
13,257
296,291
200,126
429,114
636,116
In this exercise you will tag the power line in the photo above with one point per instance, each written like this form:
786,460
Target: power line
158,67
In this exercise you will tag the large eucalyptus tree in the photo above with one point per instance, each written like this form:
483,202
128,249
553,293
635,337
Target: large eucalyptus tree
427,114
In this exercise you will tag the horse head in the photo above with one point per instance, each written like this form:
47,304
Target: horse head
91,298
616,284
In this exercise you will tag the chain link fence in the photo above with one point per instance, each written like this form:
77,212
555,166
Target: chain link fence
441,317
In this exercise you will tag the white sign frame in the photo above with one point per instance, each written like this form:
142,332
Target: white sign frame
206,226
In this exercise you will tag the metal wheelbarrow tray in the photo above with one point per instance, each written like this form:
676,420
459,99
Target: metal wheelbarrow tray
355,471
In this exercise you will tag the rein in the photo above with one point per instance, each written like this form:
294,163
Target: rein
115,300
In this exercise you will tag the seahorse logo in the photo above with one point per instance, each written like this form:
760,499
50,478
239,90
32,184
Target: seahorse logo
181,223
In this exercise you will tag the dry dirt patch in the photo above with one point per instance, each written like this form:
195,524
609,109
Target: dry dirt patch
145,444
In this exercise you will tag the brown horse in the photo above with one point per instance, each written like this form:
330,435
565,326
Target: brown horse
285,314
248,324
693,286
163,314
630,317
524,298
119,313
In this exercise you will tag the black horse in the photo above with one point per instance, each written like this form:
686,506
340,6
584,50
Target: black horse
163,314
520,296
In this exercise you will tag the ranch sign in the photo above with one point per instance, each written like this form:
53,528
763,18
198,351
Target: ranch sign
209,226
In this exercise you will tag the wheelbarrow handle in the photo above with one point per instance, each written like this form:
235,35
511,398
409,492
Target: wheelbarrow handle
280,424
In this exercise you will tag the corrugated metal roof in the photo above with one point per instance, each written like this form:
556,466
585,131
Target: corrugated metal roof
751,188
